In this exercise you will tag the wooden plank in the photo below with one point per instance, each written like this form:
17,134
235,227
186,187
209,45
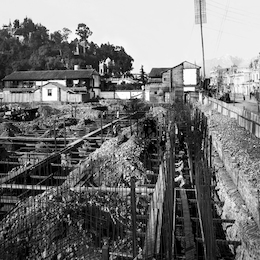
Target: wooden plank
155,216
25,187
97,138
162,187
121,190
41,177
195,201
218,241
174,222
9,199
189,237
121,255
216,220
53,156
23,139
14,174
10,163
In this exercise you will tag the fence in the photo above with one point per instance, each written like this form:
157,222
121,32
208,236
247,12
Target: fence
122,94
247,119
29,97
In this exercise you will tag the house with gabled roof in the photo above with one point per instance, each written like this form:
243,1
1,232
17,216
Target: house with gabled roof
168,84
182,80
84,82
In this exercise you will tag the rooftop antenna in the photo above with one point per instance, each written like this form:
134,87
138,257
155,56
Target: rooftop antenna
200,18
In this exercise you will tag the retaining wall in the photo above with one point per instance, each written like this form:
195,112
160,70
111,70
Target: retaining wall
245,228
247,119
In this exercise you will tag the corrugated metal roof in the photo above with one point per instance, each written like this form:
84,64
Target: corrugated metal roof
51,74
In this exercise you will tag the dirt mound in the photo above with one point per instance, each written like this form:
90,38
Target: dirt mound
48,111
8,129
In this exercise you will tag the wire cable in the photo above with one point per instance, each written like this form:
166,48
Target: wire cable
221,25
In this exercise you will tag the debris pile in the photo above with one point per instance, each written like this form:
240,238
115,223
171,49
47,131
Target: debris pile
69,223
9,129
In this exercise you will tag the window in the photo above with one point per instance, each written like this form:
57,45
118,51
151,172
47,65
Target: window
49,91
155,92
69,83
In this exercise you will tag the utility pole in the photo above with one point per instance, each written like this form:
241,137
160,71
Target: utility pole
202,42
200,18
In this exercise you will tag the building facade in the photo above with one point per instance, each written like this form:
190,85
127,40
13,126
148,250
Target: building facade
168,84
53,85
235,80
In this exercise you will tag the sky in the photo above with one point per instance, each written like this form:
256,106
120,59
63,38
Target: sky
154,33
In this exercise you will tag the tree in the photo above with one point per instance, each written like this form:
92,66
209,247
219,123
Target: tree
16,24
26,28
39,50
56,37
122,62
83,32
65,34
39,36
143,76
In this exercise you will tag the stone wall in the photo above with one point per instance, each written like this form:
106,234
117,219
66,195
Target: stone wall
245,228
236,159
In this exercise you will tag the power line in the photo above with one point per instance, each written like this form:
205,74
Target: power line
221,25
237,35
231,19
243,11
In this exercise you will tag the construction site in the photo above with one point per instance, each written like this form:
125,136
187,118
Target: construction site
127,180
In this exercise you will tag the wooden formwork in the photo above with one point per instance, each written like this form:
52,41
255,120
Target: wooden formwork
154,226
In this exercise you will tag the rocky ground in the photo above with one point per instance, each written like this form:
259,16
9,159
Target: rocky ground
236,159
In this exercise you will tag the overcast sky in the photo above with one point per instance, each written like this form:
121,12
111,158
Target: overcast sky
155,33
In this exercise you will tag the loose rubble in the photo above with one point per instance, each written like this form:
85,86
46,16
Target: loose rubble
58,224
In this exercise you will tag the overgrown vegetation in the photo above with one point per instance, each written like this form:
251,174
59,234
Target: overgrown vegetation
29,46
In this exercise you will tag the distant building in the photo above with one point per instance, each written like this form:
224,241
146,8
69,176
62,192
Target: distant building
234,80
104,66
167,84
154,84
182,79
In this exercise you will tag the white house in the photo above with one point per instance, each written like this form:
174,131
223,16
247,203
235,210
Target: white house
54,91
